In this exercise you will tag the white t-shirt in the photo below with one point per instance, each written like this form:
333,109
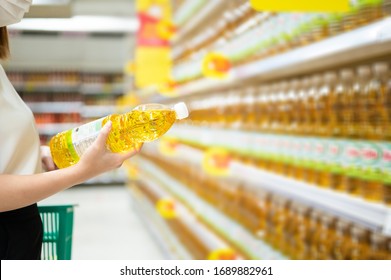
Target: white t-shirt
19,139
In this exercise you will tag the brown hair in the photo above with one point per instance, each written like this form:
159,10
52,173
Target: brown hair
4,45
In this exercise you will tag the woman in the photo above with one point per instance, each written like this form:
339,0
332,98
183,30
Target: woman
22,183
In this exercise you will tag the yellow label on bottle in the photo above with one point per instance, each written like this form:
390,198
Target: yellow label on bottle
216,162
301,5
166,208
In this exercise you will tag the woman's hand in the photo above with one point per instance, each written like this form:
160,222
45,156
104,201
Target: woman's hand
46,158
98,159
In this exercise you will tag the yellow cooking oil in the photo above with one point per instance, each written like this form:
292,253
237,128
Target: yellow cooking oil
144,123
364,106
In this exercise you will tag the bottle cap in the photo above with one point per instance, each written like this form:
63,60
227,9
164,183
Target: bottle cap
181,110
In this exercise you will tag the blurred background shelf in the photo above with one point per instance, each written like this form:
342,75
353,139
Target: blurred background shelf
250,245
375,216
364,43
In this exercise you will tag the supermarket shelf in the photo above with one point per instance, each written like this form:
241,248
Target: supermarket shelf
224,225
96,111
94,89
166,239
374,216
199,20
26,87
208,238
54,128
55,107
116,176
367,42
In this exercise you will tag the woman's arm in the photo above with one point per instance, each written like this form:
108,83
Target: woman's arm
17,191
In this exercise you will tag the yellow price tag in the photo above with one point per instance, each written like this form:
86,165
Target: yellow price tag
132,170
168,146
222,254
215,65
301,5
166,208
216,162
168,88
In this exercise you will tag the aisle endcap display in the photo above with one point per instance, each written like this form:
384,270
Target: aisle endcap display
364,43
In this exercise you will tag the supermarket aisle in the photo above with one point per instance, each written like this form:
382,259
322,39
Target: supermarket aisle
106,227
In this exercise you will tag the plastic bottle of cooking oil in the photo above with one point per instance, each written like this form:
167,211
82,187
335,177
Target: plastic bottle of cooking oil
324,112
349,112
360,92
373,102
312,95
144,123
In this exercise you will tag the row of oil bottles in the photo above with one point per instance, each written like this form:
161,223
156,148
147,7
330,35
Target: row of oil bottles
351,103
244,35
336,127
296,230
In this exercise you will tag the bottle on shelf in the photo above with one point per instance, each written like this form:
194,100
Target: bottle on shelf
349,127
358,245
144,123
326,237
361,92
378,247
341,239
290,121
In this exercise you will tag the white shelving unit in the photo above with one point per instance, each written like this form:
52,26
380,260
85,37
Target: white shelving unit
55,107
54,128
224,225
170,244
191,221
363,43
92,89
97,111
374,216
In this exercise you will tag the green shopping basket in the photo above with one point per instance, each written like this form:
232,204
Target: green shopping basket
57,231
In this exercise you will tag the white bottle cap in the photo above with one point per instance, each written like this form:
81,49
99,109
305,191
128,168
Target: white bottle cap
181,110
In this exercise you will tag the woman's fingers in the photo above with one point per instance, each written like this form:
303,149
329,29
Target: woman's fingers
104,133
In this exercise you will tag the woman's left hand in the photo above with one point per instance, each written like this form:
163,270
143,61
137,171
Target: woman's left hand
47,160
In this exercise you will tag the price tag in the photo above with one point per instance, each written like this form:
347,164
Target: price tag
215,65
168,146
301,5
132,170
223,254
216,162
166,208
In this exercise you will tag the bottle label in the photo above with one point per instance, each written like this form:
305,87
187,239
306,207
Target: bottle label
83,136
385,161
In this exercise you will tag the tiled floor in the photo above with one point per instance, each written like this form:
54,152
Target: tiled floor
106,226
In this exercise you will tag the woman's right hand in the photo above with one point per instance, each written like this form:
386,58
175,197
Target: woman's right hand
98,159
